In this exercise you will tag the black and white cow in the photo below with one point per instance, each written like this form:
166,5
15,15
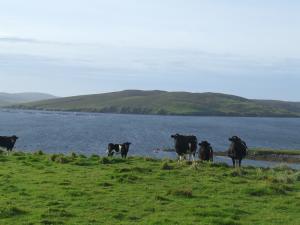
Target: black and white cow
8,142
118,148
185,145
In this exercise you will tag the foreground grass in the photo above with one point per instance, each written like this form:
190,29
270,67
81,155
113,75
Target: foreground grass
57,189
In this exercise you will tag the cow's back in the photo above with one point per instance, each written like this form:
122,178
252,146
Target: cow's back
237,150
7,142
185,144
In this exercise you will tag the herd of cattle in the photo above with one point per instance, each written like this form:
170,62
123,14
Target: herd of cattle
185,146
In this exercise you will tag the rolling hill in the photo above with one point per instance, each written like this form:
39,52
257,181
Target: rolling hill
168,103
17,98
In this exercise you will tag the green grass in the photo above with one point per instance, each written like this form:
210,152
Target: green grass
74,189
169,103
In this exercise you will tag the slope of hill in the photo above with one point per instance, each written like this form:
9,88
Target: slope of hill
9,99
169,103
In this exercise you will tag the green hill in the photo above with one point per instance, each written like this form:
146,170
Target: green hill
9,99
169,103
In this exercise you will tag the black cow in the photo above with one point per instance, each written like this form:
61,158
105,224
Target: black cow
8,142
205,152
125,149
185,145
118,148
237,150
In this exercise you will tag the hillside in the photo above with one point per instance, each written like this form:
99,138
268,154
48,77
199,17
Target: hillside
17,98
74,189
169,103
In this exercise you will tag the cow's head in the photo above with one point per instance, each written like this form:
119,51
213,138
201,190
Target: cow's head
126,145
234,139
204,144
14,138
175,136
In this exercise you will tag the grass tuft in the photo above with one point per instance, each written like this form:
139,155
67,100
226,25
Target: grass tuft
257,191
60,158
106,184
128,178
183,192
161,198
39,152
166,166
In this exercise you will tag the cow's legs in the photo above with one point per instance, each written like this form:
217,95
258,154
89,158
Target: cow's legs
233,162
193,157
240,162
179,158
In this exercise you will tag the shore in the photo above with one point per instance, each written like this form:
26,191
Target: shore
272,155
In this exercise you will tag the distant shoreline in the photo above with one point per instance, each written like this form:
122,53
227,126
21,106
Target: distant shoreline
146,114
285,156
264,154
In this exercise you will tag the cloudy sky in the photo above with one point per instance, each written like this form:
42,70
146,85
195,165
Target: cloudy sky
249,48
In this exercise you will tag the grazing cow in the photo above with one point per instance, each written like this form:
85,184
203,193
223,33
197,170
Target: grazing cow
237,150
8,142
205,151
118,148
185,145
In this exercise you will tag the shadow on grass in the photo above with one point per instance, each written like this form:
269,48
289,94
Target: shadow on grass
11,211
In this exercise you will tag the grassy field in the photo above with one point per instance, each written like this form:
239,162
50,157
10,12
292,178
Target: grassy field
74,189
169,103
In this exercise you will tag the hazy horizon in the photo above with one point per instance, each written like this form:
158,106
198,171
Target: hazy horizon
69,48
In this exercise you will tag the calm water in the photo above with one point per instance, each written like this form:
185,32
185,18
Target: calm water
90,133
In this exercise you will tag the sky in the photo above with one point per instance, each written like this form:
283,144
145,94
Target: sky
248,48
